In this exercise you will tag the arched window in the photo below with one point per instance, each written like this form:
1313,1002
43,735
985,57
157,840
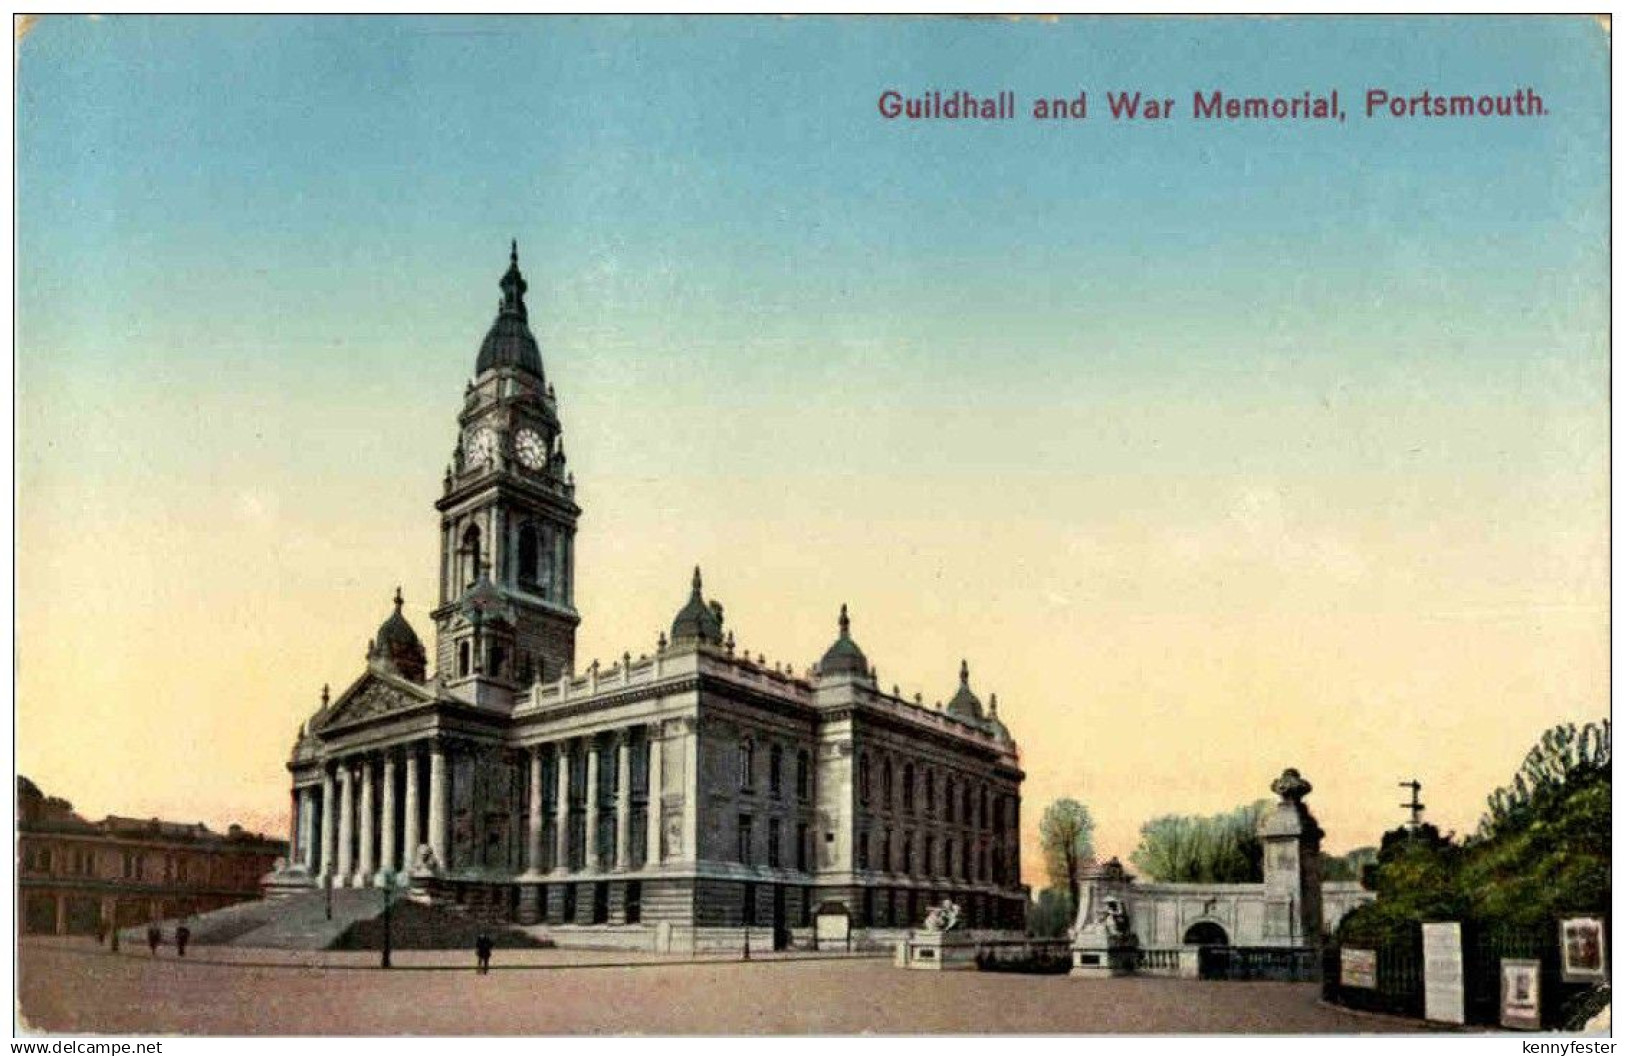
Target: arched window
930,793
775,771
471,554
462,660
964,807
803,775
529,555
747,763
948,799
885,784
863,779
908,786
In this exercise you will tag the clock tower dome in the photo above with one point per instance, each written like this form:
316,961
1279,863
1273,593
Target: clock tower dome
506,616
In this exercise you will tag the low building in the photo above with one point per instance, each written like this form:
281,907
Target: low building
75,875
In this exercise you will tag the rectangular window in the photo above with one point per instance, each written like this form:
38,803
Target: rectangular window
801,846
930,861
744,838
863,850
747,764
773,842
803,775
775,771
885,851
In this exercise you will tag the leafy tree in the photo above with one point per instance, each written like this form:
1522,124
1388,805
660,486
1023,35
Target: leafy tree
1050,915
1544,849
1067,834
1222,849
1564,755
1350,866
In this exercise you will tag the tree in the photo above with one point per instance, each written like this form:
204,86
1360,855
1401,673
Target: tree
1187,849
1350,866
1067,833
1048,917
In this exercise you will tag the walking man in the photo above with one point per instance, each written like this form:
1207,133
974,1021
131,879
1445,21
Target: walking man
155,937
482,950
182,935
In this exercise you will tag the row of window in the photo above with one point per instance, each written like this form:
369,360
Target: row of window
47,860
958,858
775,770
802,852
959,801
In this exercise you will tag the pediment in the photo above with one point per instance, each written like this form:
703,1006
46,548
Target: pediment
371,696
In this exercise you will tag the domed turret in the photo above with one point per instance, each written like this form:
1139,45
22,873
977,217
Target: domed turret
965,704
844,657
1001,732
509,342
396,647
697,621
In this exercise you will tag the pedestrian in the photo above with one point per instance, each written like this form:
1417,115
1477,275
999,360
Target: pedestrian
155,938
101,932
482,950
112,936
182,935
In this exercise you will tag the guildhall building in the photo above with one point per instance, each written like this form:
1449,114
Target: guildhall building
670,799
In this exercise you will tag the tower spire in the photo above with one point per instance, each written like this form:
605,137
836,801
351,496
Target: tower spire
513,284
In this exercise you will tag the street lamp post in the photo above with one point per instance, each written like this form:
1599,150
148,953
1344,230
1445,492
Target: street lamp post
389,900
328,888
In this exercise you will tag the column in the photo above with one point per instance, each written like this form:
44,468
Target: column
651,854
691,792
329,822
307,828
387,862
533,849
346,806
365,865
409,826
561,811
293,826
590,859
623,802
437,804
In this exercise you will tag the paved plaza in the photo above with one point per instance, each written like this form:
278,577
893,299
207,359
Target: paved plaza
75,987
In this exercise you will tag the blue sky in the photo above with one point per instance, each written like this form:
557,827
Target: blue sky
256,256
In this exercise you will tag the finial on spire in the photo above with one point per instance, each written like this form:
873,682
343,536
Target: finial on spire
964,673
399,601
513,253
993,705
324,694
696,581
846,622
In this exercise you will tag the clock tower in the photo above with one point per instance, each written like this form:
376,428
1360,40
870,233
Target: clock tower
506,615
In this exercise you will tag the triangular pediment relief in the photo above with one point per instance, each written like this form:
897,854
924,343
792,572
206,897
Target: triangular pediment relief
372,695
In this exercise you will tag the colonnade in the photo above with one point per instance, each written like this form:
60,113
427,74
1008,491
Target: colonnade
333,834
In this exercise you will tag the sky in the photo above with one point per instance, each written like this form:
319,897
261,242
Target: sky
1213,447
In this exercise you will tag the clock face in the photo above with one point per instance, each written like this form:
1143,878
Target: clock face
532,452
482,446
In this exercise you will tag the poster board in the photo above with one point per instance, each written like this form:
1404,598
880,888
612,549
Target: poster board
1520,993
1584,945
1358,968
1443,997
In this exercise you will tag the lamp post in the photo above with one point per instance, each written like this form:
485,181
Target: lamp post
388,876
328,888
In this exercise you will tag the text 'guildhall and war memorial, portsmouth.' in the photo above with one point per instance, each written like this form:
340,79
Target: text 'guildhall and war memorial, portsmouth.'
673,798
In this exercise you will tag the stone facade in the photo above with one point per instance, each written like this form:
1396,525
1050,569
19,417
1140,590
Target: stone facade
75,876
1293,907
671,799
